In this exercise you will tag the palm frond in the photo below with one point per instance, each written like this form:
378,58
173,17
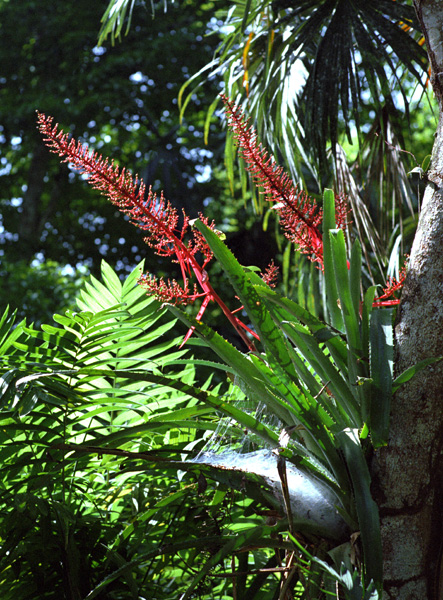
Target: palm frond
118,14
303,72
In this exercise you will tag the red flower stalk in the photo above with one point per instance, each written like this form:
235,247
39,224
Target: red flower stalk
153,215
156,217
300,216
388,298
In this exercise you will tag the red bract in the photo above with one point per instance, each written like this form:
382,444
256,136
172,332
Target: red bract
154,216
300,215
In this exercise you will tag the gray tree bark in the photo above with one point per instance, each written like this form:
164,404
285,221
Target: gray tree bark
408,473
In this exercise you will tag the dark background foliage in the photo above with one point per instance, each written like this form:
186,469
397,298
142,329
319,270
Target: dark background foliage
120,99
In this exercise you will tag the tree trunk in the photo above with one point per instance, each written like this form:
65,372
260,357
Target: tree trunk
408,473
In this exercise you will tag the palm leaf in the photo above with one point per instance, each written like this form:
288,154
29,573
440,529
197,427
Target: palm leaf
346,49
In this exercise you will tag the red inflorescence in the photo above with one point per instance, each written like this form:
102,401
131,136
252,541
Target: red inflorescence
148,211
300,215
388,298
270,275
155,217
170,291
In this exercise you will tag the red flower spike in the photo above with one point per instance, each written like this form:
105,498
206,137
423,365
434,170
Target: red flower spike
270,275
153,215
170,292
388,297
300,216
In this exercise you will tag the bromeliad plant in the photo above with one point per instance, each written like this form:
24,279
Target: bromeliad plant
328,382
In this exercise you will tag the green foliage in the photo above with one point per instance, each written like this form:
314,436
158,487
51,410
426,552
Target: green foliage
100,411
114,18
74,524
95,420
303,72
